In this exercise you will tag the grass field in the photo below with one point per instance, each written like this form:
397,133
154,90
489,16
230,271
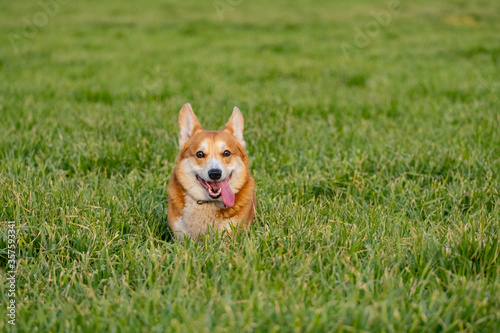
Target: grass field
375,148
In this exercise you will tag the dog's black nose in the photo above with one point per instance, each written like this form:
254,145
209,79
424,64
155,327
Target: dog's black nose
214,174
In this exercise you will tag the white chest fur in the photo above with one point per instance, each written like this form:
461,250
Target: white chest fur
198,218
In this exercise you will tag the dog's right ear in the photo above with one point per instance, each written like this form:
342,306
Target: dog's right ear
188,124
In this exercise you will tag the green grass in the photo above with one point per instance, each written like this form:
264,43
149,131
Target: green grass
378,168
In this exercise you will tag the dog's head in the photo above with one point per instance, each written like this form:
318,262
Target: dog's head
212,165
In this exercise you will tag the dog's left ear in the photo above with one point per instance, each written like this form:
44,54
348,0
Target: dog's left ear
235,125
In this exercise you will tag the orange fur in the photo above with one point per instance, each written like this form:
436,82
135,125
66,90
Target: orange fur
185,215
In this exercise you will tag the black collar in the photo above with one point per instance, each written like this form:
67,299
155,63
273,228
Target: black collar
201,202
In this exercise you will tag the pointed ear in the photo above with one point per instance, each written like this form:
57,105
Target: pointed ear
188,124
235,125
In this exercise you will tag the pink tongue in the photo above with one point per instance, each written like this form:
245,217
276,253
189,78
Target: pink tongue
227,194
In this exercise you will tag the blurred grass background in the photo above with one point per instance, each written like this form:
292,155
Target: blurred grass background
377,166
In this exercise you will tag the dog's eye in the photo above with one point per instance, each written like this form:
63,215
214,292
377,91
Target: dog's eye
226,153
200,154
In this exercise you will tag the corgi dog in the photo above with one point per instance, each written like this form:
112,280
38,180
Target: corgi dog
211,186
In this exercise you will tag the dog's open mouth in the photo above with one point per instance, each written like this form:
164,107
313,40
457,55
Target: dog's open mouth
217,189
